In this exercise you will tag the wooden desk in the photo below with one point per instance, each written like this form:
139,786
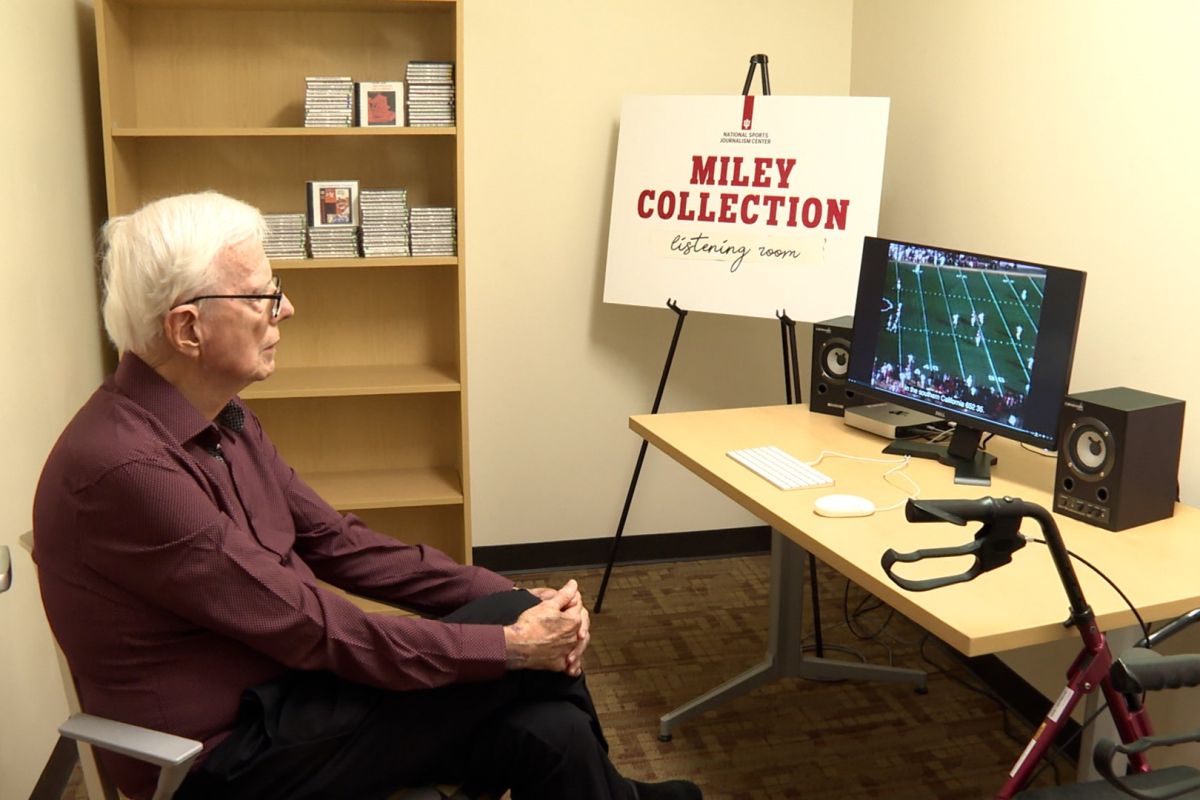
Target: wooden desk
1015,606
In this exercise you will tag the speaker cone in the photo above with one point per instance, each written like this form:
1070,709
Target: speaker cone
835,359
1090,449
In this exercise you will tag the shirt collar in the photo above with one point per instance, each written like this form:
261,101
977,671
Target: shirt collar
140,383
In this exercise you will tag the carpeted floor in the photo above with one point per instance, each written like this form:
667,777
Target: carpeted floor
672,631
669,632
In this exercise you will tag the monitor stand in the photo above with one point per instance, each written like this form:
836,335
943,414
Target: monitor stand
972,466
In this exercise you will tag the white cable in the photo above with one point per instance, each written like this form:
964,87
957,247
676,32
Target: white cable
916,492
827,453
900,463
940,435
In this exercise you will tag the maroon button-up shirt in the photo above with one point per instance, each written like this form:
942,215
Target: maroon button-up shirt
173,580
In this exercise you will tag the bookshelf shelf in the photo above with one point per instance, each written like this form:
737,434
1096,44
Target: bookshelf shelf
340,381
229,132
363,263
398,488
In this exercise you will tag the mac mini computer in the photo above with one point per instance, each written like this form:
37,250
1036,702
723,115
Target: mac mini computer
891,421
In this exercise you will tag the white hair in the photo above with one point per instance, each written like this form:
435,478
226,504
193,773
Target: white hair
163,253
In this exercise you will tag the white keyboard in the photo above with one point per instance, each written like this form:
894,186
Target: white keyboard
780,468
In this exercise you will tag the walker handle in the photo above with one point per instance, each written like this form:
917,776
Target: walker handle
995,542
891,557
1140,670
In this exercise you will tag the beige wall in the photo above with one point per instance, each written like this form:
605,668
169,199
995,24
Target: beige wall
50,168
1063,132
554,373
1055,131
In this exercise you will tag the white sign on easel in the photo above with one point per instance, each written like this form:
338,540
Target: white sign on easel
745,205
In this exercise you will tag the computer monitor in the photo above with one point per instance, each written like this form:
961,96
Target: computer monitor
983,341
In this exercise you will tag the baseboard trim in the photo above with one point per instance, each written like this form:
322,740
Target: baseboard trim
1025,701
647,548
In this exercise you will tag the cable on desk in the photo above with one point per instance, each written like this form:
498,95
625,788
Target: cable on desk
931,435
900,463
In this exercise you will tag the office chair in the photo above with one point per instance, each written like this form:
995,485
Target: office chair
174,755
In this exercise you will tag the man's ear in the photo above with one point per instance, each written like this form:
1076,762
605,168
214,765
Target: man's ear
181,330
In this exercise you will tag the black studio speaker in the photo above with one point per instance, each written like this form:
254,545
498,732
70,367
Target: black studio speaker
1118,457
828,392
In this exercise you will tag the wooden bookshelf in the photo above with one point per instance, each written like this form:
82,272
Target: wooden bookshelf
369,399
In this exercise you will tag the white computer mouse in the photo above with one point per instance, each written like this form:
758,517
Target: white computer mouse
843,505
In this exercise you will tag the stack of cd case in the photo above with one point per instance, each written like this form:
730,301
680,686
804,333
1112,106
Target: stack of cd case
434,232
333,241
285,236
384,214
430,97
328,102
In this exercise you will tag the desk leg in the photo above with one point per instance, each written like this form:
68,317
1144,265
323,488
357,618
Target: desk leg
784,618
1119,641
785,650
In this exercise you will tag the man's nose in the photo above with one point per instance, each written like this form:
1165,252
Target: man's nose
286,309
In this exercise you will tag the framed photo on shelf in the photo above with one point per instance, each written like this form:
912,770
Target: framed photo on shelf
381,104
332,203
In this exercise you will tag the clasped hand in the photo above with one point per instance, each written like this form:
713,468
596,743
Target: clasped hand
551,635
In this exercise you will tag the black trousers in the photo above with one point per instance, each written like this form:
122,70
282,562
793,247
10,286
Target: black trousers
315,736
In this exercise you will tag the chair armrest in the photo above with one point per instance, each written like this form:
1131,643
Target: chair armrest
144,744
174,754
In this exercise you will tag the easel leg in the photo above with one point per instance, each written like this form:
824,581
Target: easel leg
795,360
783,337
680,314
756,60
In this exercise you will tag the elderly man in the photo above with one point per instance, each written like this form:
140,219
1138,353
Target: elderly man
179,557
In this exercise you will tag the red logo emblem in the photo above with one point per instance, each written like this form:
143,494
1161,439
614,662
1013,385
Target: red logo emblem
748,112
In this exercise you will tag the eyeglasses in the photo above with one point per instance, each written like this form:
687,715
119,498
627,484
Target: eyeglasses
276,295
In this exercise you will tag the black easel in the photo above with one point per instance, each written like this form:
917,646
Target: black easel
791,378
680,314
756,60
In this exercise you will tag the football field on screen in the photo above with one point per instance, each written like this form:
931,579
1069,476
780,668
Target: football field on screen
940,308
